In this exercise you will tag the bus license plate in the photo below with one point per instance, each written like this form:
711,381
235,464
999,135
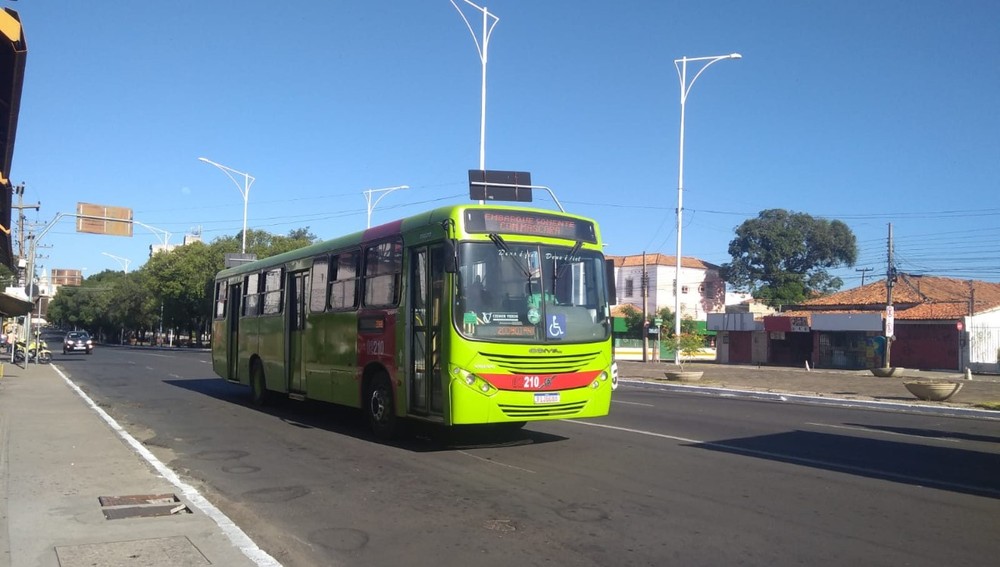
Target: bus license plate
547,398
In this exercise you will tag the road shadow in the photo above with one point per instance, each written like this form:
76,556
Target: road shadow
929,433
944,468
415,435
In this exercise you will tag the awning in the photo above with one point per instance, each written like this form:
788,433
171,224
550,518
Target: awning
13,51
11,306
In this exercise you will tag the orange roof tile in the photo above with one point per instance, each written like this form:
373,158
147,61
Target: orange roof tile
915,297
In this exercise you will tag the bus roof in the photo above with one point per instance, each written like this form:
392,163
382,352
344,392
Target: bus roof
401,226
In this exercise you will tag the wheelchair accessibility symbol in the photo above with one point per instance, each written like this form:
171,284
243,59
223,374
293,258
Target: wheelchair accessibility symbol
556,329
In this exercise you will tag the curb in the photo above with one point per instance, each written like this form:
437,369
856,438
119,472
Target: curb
968,413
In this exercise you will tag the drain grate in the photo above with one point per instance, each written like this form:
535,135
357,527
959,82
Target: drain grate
141,506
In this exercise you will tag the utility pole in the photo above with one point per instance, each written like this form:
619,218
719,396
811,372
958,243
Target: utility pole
863,270
890,280
645,320
20,206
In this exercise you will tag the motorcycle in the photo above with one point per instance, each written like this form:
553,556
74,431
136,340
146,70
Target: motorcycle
37,351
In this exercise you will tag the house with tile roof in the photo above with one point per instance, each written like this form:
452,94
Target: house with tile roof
702,289
937,323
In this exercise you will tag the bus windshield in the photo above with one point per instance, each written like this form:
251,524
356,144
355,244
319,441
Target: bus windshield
531,293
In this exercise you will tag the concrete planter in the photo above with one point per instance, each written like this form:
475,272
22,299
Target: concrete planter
684,375
890,372
933,390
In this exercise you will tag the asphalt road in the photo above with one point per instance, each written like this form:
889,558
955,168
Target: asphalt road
666,479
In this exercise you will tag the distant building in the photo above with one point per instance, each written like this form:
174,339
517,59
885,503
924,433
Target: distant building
702,290
64,276
193,236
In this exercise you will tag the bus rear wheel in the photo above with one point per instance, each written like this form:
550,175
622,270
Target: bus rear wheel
380,407
259,394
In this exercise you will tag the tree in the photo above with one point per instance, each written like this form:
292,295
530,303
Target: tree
782,257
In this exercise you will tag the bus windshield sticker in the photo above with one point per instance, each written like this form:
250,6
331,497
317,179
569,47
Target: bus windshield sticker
501,318
534,316
556,329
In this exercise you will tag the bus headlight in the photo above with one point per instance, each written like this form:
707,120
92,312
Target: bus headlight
474,381
602,377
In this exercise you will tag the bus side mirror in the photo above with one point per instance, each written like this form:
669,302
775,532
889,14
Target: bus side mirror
450,257
609,269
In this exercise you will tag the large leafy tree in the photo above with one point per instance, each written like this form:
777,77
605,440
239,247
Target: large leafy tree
783,257
175,285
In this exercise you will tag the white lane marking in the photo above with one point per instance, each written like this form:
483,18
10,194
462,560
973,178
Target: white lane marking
498,463
816,463
883,432
639,431
632,403
238,537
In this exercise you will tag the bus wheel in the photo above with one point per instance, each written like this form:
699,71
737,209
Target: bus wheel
258,391
380,408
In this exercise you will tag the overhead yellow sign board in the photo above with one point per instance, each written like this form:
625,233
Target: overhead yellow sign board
102,219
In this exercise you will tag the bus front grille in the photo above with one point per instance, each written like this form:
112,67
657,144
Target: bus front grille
554,410
541,363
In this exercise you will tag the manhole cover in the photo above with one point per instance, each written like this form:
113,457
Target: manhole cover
141,506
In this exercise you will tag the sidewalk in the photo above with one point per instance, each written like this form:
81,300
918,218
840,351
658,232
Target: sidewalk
58,456
857,385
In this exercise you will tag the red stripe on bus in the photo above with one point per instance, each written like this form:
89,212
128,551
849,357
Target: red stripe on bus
541,382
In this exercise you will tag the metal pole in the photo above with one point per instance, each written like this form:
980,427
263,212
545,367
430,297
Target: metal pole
483,50
681,66
385,191
890,276
244,192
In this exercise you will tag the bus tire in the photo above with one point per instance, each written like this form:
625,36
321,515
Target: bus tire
380,407
259,394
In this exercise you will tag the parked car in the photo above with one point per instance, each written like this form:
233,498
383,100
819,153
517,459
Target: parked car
78,341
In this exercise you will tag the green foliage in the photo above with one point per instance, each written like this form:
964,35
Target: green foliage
176,284
782,257
691,343
634,323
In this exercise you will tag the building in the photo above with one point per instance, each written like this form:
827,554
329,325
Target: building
193,236
936,324
63,276
702,290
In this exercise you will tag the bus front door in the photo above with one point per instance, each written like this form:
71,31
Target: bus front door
233,332
298,287
426,302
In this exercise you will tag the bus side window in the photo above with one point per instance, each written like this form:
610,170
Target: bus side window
221,289
383,273
274,290
250,295
344,281
317,298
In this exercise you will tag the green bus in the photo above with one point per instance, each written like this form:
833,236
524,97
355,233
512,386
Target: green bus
466,314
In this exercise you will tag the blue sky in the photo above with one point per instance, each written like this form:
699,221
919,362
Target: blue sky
871,112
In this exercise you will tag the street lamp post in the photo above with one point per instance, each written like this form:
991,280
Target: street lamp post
482,49
123,261
681,66
384,191
244,191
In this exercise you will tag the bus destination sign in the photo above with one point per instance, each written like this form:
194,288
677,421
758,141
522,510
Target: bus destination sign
529,224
